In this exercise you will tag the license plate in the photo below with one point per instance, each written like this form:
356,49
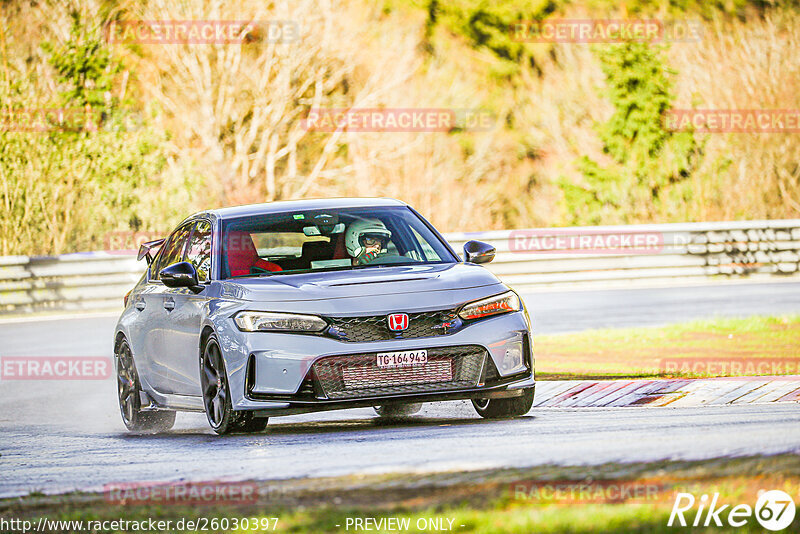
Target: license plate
406,358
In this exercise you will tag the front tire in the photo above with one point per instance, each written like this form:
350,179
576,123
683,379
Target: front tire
130,401
397,411
216,395
504,408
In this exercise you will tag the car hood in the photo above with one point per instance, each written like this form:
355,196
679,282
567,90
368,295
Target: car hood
377,289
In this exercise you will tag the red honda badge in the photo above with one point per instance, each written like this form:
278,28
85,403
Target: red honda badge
397,321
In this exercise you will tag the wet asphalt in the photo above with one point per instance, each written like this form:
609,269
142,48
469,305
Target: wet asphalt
58,436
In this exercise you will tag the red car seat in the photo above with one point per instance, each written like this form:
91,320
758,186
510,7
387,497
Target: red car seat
339,250
243,256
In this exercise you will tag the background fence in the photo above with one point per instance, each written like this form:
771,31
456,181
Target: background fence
530,260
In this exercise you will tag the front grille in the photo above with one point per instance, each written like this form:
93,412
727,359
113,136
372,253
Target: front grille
358,375
376,328
365,376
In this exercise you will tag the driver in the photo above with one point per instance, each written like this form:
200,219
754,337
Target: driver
366,239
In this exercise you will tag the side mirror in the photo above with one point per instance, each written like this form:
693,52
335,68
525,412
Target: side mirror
182,274
478,252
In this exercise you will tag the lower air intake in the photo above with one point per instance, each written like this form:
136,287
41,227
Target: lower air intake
358,375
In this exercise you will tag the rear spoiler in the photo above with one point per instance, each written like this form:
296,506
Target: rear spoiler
147,248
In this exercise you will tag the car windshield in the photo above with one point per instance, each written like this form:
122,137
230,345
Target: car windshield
326,240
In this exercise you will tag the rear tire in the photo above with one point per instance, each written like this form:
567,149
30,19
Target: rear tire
221,416
397,411
129,395
504,408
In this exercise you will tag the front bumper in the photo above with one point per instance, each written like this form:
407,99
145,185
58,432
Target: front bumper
270,372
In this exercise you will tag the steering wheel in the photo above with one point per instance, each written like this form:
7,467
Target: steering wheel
387,259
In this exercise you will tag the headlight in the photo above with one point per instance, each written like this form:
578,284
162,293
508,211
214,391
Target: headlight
504,303
251,321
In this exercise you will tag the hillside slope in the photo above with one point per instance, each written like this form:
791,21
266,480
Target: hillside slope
574,137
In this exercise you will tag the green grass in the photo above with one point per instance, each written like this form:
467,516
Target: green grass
591,518
639,352
473,501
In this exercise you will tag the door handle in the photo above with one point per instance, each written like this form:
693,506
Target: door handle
139,305
169,304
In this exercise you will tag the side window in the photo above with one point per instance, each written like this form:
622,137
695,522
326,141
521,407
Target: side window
173,250
199,251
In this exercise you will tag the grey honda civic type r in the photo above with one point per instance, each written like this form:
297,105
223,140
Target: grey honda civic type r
291,307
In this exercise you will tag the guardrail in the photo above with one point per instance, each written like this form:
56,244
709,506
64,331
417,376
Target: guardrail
84,281
656,254
531,259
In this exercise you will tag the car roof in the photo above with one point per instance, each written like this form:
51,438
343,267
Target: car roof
295,205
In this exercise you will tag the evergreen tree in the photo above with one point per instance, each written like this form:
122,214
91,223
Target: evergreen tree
649,163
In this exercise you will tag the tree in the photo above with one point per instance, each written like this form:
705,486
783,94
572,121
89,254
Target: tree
66,183
648,164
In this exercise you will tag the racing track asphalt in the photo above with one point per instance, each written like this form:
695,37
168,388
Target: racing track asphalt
61,435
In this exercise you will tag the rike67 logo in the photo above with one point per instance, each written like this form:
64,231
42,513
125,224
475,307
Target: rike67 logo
774,511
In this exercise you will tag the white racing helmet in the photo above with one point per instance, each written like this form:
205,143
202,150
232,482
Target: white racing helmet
360,229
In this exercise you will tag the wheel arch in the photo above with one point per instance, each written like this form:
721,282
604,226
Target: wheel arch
119,337
204,335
